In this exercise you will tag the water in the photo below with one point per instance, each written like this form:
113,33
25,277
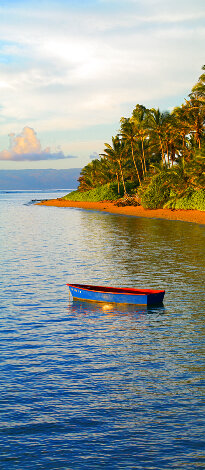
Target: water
84,386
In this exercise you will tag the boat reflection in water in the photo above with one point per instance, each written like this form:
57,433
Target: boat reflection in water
111,309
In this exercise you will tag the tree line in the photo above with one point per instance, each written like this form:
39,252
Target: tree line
157,149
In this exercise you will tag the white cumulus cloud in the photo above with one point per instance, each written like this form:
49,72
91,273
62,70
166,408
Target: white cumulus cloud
26,146
76,67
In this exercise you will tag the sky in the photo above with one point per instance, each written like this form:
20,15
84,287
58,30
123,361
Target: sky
69,70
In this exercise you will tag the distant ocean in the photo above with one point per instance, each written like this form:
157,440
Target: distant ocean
93,387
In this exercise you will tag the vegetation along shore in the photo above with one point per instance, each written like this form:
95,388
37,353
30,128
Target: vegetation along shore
154,163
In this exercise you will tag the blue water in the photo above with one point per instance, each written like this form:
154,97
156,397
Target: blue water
89,387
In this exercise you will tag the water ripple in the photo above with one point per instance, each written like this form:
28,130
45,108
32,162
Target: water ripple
85,387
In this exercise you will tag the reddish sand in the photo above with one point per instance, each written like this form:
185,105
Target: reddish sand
197,217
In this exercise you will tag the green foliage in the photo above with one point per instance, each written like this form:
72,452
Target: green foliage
195,200
157,192
171,189
130,187
179,187
107,192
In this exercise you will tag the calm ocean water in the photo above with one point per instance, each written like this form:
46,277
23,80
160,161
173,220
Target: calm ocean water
91,388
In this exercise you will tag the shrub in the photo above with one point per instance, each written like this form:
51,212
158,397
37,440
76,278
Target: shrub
156,194
195,200
107,192
171,189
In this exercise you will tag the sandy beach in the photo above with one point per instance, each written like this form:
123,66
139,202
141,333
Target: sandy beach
194,216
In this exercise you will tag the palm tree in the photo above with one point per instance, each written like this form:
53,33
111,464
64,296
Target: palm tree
180,126
156,122
198,90
139,117
116,154
196,109
128,133
196,119
87,177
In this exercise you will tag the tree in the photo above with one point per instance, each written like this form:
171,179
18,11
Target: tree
128,133
198,90
195,115
93,174
166,150
196,109
139,117
156,122
116,154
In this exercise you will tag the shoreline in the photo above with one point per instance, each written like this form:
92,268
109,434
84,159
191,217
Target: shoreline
194,216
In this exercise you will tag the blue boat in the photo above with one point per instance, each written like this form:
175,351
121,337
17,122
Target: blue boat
119,295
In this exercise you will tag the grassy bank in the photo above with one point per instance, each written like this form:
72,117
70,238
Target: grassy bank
155,196
107,192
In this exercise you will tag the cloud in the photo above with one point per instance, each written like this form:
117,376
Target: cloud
79,65
26,146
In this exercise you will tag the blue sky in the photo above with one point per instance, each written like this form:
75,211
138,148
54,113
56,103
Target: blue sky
69,70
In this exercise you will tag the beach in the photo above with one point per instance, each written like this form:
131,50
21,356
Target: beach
193,216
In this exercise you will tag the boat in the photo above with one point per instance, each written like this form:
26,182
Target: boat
119,295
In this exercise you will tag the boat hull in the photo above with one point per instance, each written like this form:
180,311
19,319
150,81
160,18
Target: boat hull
119,296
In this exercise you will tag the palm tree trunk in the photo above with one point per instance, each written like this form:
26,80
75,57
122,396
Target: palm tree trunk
143,156
168,161
118,184
172,154
135,163
123,181
161,146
